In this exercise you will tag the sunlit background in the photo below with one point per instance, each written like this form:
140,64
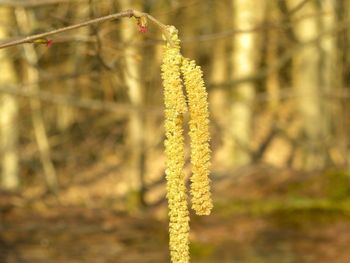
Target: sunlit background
81,131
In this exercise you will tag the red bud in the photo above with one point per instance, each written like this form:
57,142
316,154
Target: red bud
143,29
49,43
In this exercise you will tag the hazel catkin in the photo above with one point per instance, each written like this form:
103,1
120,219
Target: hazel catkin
199,134
175,106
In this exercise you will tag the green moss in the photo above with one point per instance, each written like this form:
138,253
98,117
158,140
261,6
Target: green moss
337,185
318,198
332,184
201,250
292,205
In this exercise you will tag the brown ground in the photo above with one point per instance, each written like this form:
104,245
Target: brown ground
244,231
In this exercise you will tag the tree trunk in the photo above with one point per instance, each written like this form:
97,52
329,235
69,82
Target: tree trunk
272,50
343,12
32,76
330,77
66,115
218,101
306,76
132,78
8,111
244,64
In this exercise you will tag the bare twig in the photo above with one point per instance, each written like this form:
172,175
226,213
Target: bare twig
127,13
34,3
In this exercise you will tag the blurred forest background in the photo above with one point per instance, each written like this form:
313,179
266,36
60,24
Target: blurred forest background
81,131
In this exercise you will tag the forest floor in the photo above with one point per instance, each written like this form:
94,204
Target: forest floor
263,217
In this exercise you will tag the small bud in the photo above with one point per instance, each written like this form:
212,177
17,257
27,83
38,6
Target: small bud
142,24
49,43
143,29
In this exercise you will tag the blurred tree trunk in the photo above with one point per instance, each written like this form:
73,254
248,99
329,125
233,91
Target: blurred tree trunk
8,110
132,78
188,30
343,13
244,64
330,77
344,10
218,77
272,50
306,82
66,114
329,73
31,75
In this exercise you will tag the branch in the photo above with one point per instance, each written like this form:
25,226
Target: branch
128,13
33,3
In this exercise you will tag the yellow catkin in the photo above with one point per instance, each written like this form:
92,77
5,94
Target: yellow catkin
199,134
175,106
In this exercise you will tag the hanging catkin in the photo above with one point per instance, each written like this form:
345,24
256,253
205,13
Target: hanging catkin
175,106
199,134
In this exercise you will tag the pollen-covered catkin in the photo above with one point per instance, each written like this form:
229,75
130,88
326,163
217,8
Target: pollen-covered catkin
199,134
175,106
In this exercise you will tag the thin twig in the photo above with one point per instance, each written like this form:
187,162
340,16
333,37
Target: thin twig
127,13
34,3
